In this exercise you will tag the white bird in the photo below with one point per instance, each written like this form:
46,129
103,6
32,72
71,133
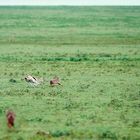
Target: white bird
32,80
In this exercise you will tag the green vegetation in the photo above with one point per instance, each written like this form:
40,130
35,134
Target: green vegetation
96,53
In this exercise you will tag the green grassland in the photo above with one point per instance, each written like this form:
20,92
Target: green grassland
96,53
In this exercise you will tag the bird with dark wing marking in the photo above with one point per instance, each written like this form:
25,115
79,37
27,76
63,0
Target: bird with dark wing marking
32,80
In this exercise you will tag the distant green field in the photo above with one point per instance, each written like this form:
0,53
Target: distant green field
96,53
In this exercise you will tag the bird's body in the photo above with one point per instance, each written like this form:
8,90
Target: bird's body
32,80
55,81
10,119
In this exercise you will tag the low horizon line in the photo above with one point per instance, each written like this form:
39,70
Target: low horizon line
66,5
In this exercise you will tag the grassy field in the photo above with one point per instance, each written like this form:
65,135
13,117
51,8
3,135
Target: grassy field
96,53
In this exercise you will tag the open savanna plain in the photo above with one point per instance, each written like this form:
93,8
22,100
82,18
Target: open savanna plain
95,51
